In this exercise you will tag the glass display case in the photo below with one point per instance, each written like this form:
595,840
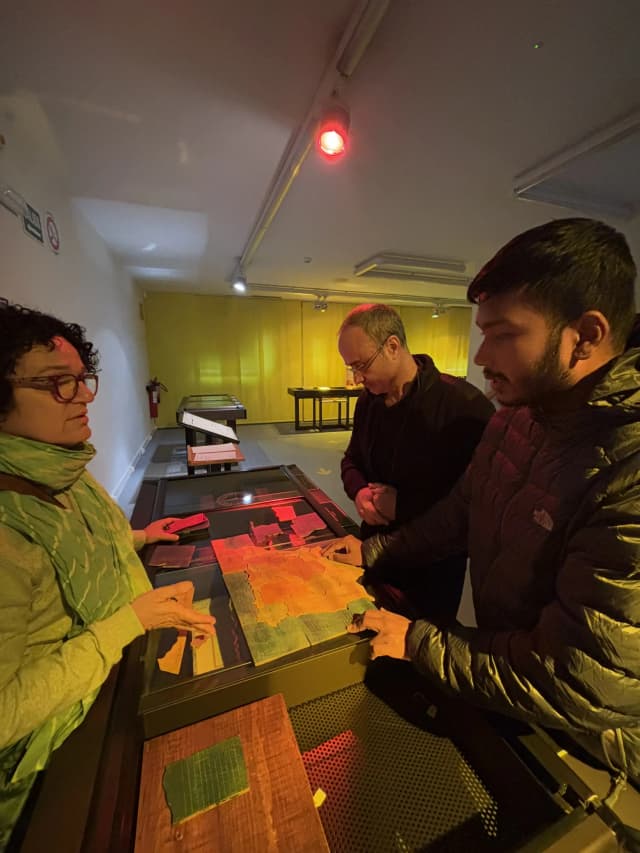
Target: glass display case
243,502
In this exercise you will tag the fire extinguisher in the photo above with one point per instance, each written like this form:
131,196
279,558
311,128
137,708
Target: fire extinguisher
153,392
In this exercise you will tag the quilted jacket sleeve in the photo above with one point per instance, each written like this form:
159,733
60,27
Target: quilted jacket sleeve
579,666
440,532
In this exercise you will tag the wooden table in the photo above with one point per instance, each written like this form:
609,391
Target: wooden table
277,813
320,395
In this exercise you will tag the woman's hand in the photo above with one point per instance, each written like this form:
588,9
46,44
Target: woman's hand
170,607
347,550
156,532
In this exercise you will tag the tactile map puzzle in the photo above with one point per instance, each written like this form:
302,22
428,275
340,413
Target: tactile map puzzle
288,600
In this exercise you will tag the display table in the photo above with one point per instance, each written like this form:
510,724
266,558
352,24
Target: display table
403,766
320,396
215,407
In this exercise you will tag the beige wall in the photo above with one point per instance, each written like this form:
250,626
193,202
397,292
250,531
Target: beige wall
82,283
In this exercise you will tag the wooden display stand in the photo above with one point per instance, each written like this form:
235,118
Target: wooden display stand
212,457
277,813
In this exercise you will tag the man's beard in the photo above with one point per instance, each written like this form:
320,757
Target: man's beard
546,377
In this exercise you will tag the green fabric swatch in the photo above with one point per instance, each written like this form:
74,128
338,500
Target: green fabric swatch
360,605
268,643
324,626
242,596
205,779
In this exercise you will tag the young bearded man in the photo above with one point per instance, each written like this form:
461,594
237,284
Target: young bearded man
549,508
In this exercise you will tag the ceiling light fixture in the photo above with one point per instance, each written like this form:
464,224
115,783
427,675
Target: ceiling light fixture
359,296
321,303
361,27
394,265
438,311
332,135
239,280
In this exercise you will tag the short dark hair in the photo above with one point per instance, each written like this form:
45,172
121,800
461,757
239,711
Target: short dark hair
564,268
22,329
376,320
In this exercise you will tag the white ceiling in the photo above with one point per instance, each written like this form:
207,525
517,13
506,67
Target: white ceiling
171,120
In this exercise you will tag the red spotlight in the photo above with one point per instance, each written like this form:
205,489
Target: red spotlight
333,132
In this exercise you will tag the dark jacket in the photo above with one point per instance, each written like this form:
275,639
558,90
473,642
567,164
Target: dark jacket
421,445
550,508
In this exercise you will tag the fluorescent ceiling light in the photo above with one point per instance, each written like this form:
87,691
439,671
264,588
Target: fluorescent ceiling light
393,265
158,272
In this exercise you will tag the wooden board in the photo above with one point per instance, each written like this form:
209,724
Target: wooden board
197,461
276,814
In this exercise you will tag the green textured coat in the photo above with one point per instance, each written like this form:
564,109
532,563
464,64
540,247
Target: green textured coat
68,576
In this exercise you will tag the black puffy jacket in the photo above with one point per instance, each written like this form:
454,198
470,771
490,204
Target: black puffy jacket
550,510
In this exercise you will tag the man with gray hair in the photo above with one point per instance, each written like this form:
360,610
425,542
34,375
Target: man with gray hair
414,432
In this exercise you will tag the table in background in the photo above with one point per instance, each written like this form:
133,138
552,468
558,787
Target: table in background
320,395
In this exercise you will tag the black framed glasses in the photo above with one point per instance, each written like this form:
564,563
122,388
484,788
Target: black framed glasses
64,386
362,367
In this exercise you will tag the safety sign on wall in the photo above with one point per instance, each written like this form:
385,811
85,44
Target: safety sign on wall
53,235
33,223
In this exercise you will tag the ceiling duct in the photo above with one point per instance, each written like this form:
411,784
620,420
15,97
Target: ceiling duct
392,265
598,174
365,19
350,296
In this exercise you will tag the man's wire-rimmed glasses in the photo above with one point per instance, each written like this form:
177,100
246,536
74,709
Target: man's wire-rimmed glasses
364,366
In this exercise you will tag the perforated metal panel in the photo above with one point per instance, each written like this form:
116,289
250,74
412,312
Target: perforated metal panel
391,786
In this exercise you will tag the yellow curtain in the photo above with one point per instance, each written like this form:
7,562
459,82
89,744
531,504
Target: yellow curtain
201,344
445,338
255,348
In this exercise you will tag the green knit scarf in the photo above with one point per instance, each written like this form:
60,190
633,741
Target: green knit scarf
90,548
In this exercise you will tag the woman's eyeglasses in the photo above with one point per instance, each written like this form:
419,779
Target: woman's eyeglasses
64,386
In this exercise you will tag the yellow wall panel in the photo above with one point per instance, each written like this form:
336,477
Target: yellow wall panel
445,338
200,344
322,364
256,348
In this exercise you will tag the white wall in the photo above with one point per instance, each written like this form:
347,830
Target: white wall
83,284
